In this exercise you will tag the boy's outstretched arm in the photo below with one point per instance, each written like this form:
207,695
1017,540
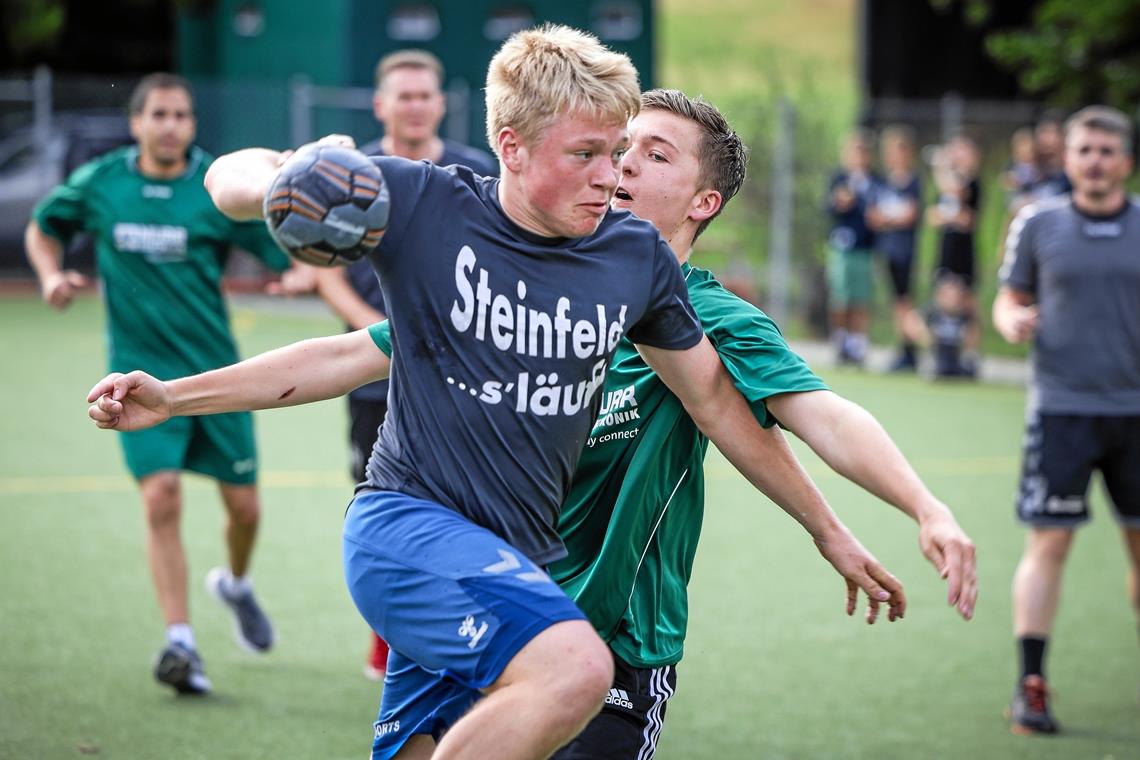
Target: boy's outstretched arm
699,379
853,443
311,370
237,182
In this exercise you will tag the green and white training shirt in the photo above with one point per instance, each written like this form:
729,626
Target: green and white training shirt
634,513
161,248
633,516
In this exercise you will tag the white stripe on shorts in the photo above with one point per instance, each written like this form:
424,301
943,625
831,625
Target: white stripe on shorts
661,691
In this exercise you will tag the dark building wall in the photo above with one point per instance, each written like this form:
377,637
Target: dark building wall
913,50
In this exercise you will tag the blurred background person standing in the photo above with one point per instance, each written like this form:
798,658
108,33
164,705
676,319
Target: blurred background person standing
893,216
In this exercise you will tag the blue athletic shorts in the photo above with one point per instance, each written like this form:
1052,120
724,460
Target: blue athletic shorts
453,600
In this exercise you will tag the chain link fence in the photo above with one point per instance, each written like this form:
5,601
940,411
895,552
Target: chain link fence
767,246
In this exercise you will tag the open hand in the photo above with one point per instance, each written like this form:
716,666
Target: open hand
951,552
861,570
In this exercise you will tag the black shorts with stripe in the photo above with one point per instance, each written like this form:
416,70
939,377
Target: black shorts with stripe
1061,452
364,424
629,725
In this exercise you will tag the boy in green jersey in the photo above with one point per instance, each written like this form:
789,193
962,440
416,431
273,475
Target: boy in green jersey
161,249
633,517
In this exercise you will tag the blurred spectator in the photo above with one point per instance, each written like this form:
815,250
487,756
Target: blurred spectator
893,216
956,215
947,324
1021,173
849,249
1049,157
1049,150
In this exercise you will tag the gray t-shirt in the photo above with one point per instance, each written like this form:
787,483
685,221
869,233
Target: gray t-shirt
1084,273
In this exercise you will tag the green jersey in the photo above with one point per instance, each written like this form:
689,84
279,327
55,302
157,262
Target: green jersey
633,516
161,247
634,512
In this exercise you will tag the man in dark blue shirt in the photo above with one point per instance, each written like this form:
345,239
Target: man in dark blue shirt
506,302
410,104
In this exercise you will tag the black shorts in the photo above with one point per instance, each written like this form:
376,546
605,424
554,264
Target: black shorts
956,256
1061,452
364,423
899,270
629,725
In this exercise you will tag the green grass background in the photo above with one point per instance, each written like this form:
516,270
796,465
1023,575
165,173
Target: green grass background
773,668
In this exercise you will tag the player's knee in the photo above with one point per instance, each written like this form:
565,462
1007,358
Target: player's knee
242,504
162,498
1051,547
586,679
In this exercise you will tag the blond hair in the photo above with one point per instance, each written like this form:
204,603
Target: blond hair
541,73
410,58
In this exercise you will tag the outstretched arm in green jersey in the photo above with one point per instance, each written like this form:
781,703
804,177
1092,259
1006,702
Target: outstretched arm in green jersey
307,371
854,444
722,414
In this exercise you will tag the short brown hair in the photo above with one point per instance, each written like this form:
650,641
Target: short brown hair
721,154
540,74
157,81
408,59
1105,119
900,133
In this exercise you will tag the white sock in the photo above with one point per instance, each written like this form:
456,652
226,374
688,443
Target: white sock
236,586
181,634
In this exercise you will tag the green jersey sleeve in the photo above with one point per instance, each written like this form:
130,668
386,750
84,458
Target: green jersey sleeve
750,345
253,236
381,335
63,212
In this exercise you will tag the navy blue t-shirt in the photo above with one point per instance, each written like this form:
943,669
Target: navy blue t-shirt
849,229
500,344
361,275
893,199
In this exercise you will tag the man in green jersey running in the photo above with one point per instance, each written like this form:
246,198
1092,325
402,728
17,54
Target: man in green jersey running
633,517
161,248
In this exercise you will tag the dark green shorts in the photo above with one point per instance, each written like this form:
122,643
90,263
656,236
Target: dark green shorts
219,445
849,277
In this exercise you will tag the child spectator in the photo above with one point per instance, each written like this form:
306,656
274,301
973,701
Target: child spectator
1021,173
893,216
849,249
947,325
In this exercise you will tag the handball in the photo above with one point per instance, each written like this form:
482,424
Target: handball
328,205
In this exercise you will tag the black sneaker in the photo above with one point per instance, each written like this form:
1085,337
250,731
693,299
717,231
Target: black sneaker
904,362
1029,710
252,628
181,668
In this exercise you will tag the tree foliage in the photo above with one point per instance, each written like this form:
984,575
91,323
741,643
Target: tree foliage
31,25
1073,52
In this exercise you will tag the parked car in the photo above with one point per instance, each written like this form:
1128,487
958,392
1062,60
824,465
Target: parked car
28,170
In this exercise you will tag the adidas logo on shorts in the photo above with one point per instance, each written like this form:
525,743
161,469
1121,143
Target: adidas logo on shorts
619,698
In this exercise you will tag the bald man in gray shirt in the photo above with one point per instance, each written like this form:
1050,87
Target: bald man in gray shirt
1071,284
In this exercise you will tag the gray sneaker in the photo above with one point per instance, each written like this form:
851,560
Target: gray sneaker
181,668
252,628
